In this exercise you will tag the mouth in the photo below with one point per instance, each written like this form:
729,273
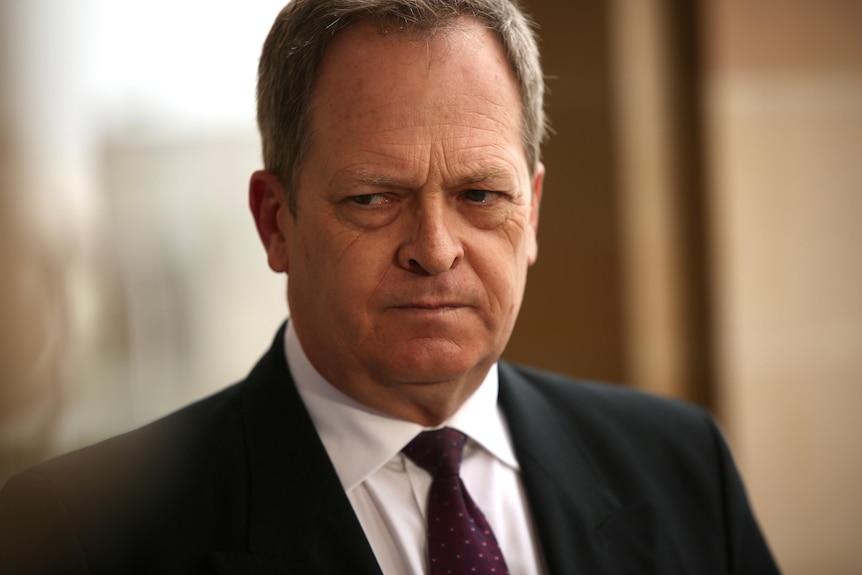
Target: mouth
430,306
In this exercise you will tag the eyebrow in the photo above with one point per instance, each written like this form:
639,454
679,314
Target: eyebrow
377,179
371,178
483,175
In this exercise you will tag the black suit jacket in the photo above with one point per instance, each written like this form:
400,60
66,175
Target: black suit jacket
618,482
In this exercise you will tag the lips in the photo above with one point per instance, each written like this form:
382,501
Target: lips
426,307
447,297
430,305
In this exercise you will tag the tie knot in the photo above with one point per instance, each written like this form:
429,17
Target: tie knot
438,452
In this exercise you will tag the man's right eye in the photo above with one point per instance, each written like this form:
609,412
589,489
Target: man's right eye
369,199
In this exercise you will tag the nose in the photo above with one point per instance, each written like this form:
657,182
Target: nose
431,247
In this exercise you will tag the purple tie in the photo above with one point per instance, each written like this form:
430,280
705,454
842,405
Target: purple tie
459,538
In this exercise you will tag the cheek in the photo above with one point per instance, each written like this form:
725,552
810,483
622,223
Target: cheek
312,280
353,266
500,267
513,247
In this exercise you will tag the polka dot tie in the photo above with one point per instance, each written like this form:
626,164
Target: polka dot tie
460,541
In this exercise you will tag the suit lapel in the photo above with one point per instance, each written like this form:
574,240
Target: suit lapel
298,509
584,527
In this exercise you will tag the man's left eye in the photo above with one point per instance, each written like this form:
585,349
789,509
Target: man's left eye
479,196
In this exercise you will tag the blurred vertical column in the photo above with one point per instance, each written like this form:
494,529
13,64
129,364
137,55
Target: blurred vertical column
571,320
665,287
42,188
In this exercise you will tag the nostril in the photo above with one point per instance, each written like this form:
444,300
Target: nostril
416,267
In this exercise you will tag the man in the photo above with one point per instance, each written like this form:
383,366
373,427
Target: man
401,197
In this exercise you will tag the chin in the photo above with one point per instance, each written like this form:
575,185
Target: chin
435,364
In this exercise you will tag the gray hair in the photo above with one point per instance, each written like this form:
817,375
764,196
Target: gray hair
294,47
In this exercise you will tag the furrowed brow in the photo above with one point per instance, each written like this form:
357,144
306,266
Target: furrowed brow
486,175
376,179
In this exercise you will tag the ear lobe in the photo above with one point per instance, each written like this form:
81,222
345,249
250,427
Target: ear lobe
269,209
535,201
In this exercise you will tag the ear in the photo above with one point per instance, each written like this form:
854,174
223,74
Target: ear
535,201
272,217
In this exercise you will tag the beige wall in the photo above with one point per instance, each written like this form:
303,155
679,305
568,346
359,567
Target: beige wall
784,106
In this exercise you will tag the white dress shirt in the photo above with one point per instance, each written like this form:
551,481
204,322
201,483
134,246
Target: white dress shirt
389,492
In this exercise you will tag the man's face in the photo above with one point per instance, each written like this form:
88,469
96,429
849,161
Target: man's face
416,218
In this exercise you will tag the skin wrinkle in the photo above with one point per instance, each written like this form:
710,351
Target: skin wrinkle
362,176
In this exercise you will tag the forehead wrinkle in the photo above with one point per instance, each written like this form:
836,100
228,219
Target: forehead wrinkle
485,174
380,167
477,163
379,179
376,179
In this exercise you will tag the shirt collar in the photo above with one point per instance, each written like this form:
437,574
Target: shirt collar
360,440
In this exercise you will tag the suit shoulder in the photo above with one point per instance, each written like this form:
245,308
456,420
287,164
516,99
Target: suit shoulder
611,421
141,467
600,398
122,494
637,441
181,430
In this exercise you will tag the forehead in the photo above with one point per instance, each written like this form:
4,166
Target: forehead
368,51
452,82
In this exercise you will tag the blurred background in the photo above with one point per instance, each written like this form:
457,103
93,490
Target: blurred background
700,231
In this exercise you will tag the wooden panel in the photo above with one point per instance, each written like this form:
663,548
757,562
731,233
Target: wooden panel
571,318
664,248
